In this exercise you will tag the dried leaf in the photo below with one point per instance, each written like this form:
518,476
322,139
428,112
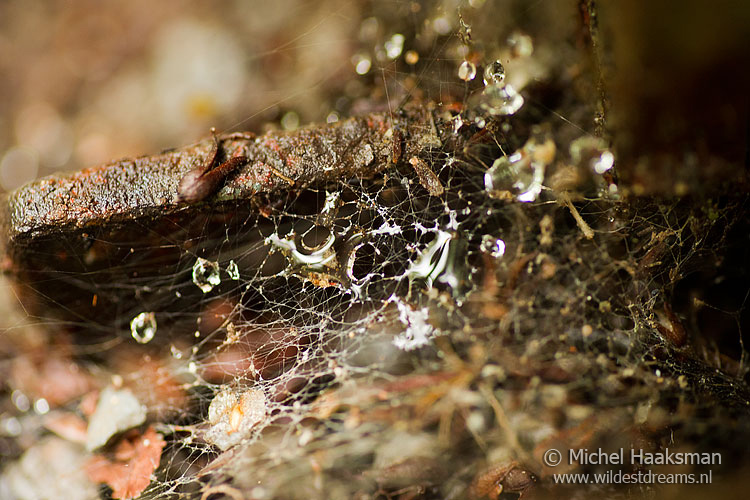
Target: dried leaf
67,425
136,458
117,410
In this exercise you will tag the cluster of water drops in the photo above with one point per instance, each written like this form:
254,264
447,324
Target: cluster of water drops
498,98
206,275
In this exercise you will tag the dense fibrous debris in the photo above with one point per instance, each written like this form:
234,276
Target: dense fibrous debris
417,303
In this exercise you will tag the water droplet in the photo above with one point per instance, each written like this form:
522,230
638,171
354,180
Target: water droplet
233,270
493,246
11,427
494,73
592,152
41,406
143,327
290,121
515,174
368,30
362,63
458,122
605,161
176,353
411,57
521,44
467,71
206,274
432,261
502,173
394,46
21,400
442,25
501,99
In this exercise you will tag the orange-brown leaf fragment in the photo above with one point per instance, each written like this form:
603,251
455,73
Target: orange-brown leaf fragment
66,425
135,459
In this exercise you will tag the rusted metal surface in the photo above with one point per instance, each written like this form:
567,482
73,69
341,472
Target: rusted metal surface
148,186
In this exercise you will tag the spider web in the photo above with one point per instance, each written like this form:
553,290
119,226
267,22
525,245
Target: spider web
400,334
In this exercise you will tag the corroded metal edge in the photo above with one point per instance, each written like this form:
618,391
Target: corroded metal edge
147,186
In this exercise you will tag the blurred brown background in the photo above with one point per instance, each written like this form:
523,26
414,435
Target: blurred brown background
86,82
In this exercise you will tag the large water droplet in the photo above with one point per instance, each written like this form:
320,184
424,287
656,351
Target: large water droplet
522,173
143,327
515,174
494,73
495,247
394,46
592,152
501,99
467,71
503,173
206,274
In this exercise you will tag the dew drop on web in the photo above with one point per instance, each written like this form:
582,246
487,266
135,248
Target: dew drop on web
394,46
493,246
467,71
494,73
501,99
206,274
143,327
